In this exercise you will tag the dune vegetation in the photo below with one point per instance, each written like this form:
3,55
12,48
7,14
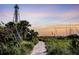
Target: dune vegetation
68,45
17,38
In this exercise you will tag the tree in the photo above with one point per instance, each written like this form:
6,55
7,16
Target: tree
23,29
15,31
32,34
11,28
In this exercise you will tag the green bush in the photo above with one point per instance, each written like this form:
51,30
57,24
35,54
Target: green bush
27,47
35,40
17,38
18,48
58,47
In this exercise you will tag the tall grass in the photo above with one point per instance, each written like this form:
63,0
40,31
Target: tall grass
18,48
65,46
10,41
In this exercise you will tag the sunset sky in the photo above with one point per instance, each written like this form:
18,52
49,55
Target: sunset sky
43,16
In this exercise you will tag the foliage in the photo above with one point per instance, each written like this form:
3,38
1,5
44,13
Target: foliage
73,36
65,46
17,38
75,47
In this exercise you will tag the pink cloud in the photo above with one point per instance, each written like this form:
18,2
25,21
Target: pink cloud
51,14
60,15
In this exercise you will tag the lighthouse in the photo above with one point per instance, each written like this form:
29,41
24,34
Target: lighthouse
16,13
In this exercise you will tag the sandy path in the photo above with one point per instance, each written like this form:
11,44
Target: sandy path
39,49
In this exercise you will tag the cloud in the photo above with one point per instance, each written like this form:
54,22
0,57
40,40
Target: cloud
45,17
61,15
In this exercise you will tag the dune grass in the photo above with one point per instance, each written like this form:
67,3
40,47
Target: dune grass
61,46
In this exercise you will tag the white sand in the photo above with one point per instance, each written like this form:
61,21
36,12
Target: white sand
39,49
